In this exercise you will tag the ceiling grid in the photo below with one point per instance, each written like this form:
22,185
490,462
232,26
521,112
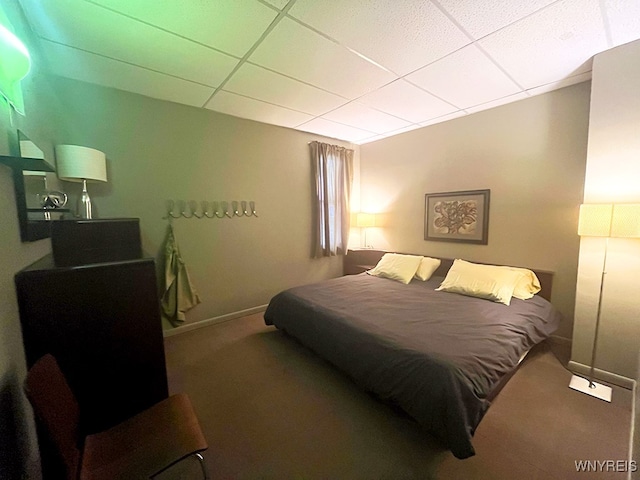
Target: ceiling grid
356,70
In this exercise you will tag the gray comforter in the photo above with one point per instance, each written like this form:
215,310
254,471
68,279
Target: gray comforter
436,355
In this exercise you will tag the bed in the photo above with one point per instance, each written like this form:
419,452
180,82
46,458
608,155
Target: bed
441,357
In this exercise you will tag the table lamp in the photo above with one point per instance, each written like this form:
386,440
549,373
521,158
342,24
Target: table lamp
81,164
364,221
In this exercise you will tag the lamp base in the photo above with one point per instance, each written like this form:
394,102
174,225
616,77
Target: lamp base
84,203
590,388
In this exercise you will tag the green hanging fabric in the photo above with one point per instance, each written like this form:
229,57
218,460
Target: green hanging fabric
179,293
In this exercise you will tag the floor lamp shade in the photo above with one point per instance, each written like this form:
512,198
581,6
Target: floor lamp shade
625,221
81,164
595,220
620,220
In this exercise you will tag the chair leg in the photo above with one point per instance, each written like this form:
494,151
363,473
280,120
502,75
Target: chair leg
205,473
203,466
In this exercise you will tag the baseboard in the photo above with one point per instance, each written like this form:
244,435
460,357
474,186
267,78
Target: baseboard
212,321
602,375
560,340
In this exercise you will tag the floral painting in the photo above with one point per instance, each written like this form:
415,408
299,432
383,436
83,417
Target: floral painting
457,216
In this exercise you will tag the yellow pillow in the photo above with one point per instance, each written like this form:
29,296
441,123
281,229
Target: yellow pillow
527,286
483,281
427,266
397,267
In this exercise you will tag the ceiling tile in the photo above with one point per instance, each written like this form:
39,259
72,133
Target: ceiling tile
279,4
361,116
119,37
389,134
565,82
301,53
87,67
464,78
232,26
406,101
337,59
243,107
444,118
259,83
401,36
550,45
496,103
623,18
331,129
482,18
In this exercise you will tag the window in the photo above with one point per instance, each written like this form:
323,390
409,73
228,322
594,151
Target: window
333,173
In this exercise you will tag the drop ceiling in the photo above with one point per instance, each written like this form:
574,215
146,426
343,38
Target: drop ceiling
355,70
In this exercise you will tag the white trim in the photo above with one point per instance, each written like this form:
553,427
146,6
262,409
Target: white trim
212,321
602,375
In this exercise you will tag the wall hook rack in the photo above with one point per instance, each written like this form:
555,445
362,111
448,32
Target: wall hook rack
206,209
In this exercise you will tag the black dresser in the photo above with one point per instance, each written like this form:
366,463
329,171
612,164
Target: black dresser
102,323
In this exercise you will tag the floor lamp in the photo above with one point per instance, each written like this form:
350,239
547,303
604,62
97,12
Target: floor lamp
364,221
604,220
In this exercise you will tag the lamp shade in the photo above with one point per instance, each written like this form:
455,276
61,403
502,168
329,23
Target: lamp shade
364,220
625,221
595,220
610,220
75,164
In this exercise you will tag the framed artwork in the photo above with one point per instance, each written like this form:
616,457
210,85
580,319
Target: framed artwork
457,216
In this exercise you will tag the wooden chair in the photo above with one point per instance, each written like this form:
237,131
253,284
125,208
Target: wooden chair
140,447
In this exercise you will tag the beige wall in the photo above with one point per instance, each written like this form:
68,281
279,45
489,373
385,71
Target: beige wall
158,150
612,176
531,154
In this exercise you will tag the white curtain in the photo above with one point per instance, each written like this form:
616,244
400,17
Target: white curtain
333,174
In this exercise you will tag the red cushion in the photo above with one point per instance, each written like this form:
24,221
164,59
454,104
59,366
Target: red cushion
145,444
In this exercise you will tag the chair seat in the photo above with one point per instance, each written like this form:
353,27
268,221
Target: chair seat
145,444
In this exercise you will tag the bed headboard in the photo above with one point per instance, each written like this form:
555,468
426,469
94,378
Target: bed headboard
357,261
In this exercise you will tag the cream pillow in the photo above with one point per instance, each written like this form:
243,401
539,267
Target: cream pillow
483,281
397,267
427,266
527,286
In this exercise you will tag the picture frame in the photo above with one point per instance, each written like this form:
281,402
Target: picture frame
457,216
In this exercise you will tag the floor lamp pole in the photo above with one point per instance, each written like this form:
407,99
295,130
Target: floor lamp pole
595,335
590,387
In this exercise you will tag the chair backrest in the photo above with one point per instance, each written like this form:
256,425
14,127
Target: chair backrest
57,409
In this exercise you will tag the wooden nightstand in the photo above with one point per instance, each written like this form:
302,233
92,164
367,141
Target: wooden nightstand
360,260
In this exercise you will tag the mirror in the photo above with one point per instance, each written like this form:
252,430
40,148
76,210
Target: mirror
44,201
28,149
38,199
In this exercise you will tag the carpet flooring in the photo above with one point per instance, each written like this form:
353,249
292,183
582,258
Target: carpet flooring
272,409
